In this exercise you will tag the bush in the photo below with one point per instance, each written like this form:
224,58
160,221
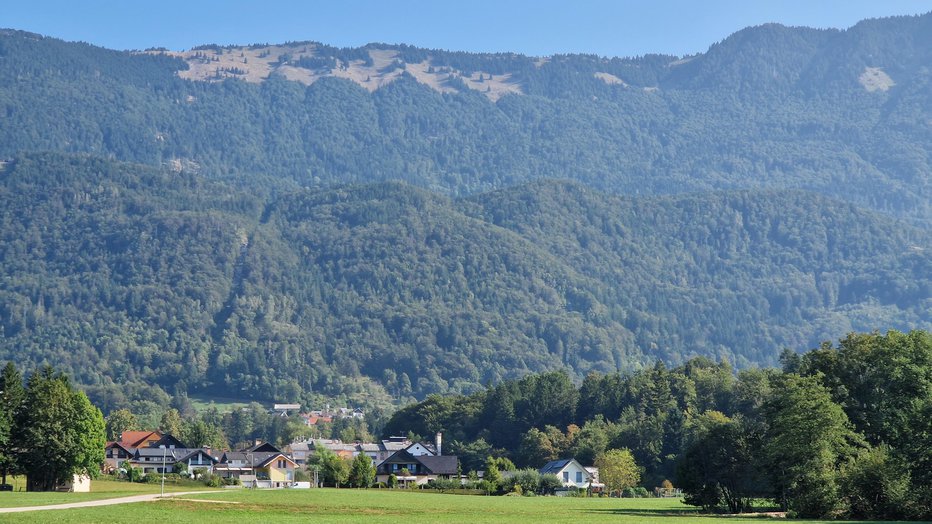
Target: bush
528,479
876,486
549,484
442,485
486,486
153,478
214,481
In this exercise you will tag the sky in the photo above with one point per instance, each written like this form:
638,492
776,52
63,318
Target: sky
536,28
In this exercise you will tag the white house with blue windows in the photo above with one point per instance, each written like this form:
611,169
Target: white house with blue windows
571,473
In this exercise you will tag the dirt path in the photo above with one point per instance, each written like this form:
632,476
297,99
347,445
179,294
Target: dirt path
102,502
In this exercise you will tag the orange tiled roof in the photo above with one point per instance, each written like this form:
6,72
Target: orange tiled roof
134,439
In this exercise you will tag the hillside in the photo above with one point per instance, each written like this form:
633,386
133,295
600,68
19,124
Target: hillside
130,277
842,113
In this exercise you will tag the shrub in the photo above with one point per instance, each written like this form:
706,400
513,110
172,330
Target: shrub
488,487
528,479
153,478
549,484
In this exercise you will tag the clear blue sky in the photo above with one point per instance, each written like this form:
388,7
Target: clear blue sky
540,27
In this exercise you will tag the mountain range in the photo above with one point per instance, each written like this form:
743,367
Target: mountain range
286,221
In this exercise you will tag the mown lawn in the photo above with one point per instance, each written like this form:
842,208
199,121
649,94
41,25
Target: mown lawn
347,505
100,489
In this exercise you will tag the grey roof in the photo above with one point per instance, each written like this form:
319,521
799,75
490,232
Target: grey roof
182,456
263,447
301,446
172,454
259,458
554,466
442,465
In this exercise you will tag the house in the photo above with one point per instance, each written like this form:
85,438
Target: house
198,460
301,451
115,454
572,474
262,466
168,441
420,468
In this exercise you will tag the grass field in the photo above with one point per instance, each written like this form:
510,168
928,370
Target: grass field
100,489
348,505
223,405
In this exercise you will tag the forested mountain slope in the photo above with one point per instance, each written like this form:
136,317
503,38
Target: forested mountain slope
842,113
128,277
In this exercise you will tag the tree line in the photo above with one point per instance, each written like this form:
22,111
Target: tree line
839,431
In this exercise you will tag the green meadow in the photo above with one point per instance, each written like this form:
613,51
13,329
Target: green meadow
350,505
100,489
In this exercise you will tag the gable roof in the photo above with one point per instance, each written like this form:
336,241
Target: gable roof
275,457
442,465
119,445
134,439
554,466
262,447
182,456
168,441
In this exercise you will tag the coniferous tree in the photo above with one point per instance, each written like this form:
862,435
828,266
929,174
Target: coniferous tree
12,396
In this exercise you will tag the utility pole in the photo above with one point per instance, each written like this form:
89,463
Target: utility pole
164,450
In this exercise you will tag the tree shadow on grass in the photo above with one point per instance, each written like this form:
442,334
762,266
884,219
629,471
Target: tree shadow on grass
672,513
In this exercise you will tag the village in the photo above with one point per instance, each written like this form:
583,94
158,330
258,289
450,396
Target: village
397,462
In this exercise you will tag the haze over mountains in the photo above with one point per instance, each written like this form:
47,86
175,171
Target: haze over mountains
184,219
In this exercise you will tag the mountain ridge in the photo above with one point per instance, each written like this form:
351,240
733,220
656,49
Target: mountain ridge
132,278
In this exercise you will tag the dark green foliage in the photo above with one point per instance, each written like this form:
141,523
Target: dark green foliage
778,435
877,486
12,397
807,441
139,282
769,107
59,433
361,472
718,469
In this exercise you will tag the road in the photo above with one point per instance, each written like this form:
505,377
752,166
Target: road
102,502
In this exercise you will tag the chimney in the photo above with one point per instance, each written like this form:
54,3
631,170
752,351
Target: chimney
437,441
258,441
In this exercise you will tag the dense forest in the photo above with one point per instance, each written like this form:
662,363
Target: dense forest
768,107
301,235
144,283
840,431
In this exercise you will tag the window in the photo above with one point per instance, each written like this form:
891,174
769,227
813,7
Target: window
579,477
566,476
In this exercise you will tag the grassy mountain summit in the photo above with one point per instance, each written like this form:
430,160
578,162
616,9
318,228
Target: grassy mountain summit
128,276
